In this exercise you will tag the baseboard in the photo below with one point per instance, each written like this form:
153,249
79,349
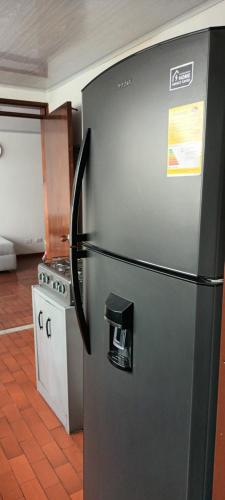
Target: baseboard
16,329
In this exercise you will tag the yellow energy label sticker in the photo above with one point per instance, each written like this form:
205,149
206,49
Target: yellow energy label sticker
185,140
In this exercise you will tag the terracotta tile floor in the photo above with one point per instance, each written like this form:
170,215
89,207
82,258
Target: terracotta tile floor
15,292
38,460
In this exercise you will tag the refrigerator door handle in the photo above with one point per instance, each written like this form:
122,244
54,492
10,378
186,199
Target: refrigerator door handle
75,238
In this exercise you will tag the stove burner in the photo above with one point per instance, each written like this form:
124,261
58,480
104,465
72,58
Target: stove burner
59,264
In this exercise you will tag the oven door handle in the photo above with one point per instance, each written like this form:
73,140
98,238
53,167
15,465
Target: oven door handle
75,253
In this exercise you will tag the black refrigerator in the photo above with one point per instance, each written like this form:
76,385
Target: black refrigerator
151,173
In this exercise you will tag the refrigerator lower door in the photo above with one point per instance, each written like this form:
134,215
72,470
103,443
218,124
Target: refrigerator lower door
149,432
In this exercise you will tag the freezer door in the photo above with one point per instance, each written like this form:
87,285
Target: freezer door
131,206
148,433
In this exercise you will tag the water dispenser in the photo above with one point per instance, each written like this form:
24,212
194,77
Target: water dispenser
119,315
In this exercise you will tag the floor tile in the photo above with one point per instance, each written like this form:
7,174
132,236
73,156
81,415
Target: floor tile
2,364
78,438
49,419
6,376
10,362
63,440
9,487
5,429
4,464
10,446
5,399
29,370
69,478
30,416
77,496
17,395
75,457
11,412
20,376
21,469
32,450
2,348
45,473
15,288
57,492
32,490
54,454
21,430
41,434
20,358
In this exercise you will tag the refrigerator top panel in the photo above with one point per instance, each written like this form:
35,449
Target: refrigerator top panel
153,184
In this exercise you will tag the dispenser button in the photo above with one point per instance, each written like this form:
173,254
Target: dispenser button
119,338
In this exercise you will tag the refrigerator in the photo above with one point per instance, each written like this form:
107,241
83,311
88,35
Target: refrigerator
151,174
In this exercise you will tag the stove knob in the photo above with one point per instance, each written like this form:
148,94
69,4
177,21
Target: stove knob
46,279
55,285
41,277
62,288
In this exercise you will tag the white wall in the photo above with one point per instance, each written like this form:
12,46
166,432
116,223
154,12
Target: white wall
22,93
71,90
21,190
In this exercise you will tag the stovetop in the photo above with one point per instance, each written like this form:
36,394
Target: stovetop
55,277
60,266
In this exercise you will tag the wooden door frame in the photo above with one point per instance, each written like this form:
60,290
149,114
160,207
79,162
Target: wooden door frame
53,116
41,106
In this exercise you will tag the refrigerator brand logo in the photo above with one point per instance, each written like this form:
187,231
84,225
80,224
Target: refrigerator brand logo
181,76
124,84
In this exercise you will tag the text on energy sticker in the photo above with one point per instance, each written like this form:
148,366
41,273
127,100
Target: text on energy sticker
185,139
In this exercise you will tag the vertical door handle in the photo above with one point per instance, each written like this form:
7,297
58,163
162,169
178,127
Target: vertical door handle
75,238
40,320
48,328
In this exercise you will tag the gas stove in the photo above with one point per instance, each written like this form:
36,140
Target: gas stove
55,276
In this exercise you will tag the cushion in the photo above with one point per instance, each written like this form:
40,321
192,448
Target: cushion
7,262
6,247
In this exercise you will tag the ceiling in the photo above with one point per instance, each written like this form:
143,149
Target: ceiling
43,42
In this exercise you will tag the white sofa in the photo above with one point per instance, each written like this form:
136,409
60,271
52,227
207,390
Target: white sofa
7,255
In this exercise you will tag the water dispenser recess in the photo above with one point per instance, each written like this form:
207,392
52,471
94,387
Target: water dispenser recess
119,315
